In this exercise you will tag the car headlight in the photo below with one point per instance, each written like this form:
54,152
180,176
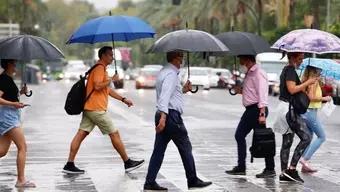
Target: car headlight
141,79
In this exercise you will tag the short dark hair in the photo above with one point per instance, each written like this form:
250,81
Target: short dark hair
249,57
293,54
172,55
103,50
5,62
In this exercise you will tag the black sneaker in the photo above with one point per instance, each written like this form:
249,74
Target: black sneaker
153,187
236,171
70,168
293,175
266,174
131,165
198,184
283,178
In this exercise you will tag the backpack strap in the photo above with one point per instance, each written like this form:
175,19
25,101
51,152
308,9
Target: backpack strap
86,74
91,69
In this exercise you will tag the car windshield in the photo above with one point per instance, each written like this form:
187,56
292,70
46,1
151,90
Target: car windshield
75,68
199,72
149,72
272,67
223,73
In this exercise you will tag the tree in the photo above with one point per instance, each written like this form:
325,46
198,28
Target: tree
64,19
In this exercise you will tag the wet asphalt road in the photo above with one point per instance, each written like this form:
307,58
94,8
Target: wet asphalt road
210,117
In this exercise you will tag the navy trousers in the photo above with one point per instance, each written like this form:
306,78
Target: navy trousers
174,130
249,121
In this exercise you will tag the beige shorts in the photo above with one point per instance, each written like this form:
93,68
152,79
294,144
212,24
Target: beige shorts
100,118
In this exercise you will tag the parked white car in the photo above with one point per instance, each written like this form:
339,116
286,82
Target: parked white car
74,69
153,66
198,76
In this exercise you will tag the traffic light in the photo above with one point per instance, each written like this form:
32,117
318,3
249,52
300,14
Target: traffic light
176,2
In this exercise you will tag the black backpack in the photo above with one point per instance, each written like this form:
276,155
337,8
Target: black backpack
76,97
263,144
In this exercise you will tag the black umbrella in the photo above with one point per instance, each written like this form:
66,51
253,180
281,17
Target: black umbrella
244,43
28,47
188,40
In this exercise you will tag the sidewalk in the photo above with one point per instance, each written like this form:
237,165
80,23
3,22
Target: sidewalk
49,132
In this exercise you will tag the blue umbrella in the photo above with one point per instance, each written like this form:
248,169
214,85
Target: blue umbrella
112,28
330,68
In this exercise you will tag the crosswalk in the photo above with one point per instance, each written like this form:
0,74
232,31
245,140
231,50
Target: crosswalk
211,129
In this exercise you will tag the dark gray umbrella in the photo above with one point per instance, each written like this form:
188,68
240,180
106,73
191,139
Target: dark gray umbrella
244,43
28,47
188,40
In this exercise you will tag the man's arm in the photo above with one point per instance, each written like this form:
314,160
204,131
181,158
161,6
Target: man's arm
115,95
100,78
261,86
168,87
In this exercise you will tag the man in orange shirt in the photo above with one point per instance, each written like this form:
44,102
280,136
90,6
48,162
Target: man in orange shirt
95,113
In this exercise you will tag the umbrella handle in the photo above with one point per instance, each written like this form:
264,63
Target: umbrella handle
29,94
232,92
194,91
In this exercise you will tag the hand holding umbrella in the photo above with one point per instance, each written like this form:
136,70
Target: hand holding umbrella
188,40
24,90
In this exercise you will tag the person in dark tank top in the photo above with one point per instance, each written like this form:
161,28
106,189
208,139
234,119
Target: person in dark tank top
10,128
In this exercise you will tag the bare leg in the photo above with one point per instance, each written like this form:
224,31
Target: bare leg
118,145
5,143
17,136
77,140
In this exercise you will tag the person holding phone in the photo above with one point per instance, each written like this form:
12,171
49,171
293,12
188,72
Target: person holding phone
10,128
290,85
313,123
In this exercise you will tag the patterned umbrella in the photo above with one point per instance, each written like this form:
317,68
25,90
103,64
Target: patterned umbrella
308,41
330,68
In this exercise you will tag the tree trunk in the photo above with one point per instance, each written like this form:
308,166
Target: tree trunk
291,22
260,16
316,13
282,12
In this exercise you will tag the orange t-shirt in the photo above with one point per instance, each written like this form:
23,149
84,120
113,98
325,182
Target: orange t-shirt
98,101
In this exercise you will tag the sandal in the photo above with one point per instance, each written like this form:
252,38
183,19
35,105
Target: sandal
26,184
